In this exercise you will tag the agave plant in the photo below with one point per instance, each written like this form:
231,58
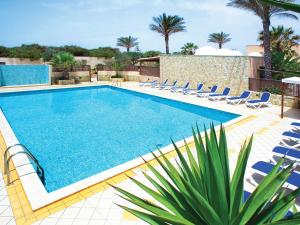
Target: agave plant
283,5
199,189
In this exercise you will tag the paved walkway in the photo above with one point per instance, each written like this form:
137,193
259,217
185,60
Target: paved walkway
98,206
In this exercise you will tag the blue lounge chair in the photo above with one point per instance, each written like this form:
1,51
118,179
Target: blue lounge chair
289,153
264,100
217,97
161,84
180,89
206,93
291,139
235,100
168,86
148,83
189,91
264,168
296,126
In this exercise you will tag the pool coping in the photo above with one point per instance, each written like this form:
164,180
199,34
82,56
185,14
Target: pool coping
35,191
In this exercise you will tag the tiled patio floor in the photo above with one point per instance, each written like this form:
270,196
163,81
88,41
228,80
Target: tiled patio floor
98,205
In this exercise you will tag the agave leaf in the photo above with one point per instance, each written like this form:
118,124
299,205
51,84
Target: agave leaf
152,219
152,207
262,195
219,202
176,208
204,209
237,182
286,222
223,151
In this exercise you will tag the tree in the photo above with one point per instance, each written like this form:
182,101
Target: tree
198,188
75,50
127,42
264,12
63,60
4,52
166,26
106,52
283,5
189,49
32,51
151,53
219,38
282,39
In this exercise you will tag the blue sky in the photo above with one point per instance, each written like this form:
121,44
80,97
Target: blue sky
94,23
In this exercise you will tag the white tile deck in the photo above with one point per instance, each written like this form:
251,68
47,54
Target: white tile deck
101,209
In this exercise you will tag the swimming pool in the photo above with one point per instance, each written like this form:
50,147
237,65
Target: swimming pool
76,133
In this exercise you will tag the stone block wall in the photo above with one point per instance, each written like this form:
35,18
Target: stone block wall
225,71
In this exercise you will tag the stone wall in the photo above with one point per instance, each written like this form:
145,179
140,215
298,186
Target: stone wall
84,76
128,75
229,71
19,61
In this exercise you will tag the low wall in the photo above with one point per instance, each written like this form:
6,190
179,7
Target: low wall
84,76
226,71
128,75
20,61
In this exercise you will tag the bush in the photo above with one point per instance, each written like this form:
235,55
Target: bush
106,52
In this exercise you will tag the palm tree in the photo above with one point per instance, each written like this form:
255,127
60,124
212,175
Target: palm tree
265,12
282,39
219,38
283,5
127,42
189,48
167,25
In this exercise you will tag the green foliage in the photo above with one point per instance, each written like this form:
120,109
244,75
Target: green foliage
151,54
63,60
75,50
282,39
272,90
127,42
282,61
189,49
106,52
134,56
167,25
33,51
48,54
4,52
219,38
198,188
284,5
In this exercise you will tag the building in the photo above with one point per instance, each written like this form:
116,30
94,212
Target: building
250,49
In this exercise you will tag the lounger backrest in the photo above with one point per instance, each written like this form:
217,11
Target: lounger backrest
245,94
226,91
174,83
186,85
265,96
199,87
165,82
214,88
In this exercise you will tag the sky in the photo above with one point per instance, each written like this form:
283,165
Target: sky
98,23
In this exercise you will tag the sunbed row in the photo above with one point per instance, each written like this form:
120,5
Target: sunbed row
212,93
290,150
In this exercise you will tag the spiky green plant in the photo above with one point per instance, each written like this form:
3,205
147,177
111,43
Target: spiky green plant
198,189
284,5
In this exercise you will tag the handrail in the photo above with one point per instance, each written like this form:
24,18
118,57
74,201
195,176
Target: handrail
39,168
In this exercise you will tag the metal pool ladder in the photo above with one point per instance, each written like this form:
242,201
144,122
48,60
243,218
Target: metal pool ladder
39,168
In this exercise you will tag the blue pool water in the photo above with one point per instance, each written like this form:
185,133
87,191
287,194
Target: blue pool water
12,75
79,132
